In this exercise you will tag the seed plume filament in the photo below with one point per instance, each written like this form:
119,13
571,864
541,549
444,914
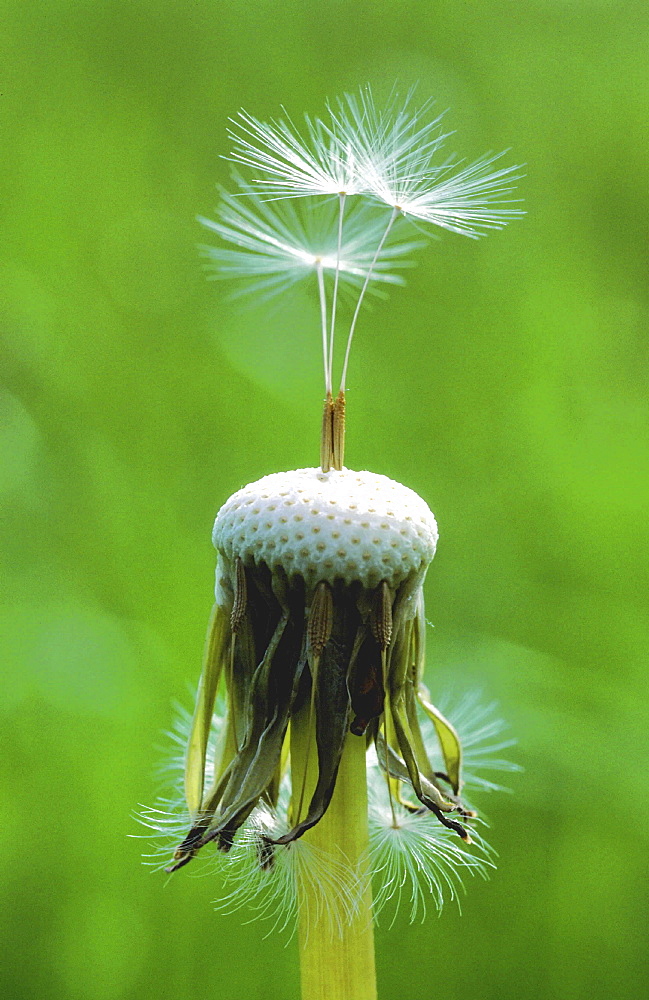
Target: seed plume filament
334,299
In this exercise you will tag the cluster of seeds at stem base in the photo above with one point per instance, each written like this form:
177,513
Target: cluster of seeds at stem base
414,866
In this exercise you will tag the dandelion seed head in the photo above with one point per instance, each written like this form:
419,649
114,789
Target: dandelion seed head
354,526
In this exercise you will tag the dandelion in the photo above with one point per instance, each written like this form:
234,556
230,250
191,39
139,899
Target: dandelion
330,775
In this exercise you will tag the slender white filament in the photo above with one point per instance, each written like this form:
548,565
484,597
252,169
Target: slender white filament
323,319
335,291
343,378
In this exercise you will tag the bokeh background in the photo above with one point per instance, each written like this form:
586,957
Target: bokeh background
507,384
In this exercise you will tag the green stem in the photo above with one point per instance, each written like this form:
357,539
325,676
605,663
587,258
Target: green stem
336,966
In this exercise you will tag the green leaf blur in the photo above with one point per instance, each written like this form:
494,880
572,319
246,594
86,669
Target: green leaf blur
507,384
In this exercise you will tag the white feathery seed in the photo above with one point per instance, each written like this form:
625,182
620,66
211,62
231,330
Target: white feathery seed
361,174
353,526
397,152
278,244
414,861
481,729
333,888
290,164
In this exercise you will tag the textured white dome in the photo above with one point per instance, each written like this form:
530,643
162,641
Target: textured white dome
354,526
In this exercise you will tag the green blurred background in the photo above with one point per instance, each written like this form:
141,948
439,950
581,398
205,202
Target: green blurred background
507,384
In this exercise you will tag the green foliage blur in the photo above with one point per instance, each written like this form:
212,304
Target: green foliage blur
507,384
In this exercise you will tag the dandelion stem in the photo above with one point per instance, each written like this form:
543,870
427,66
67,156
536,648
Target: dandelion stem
334,298
337,966
343,378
